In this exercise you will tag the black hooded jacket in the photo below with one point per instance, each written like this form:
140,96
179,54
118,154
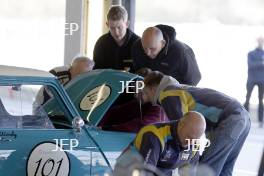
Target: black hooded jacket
176,59
107,54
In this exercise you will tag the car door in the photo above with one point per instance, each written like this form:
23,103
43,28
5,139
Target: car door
112,143
33,144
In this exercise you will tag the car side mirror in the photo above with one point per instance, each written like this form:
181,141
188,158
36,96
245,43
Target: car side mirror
77,123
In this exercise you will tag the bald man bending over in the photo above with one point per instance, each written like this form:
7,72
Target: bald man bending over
167,146
160,51
228,123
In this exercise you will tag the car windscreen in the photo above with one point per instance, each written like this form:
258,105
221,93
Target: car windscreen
22,106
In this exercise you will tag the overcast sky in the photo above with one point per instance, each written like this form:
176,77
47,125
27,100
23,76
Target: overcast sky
248,12
31,8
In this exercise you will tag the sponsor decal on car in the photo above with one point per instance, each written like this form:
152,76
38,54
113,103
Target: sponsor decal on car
95,97
45,160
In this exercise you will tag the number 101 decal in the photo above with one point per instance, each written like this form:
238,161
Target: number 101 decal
44,161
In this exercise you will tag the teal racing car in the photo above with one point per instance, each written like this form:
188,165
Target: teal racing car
79,131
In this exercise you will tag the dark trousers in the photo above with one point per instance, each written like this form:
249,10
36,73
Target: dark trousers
250,86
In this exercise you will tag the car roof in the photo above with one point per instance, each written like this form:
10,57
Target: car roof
21,71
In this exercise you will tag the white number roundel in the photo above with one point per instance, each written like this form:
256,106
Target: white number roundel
48,159
95,97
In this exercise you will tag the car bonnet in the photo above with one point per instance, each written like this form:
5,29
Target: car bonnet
94,92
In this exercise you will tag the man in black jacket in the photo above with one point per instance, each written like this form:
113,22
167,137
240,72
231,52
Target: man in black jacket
113,50
160,51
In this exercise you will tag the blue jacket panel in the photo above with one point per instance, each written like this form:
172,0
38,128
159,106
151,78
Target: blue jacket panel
256,65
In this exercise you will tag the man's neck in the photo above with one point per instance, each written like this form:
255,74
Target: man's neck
121,42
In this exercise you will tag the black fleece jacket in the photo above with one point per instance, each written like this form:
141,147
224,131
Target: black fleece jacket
107,54
176,59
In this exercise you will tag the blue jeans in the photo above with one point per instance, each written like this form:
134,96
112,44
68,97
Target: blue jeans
227,140
250,86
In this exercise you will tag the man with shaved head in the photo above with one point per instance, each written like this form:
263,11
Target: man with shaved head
227,121
152,41
167,146
159,50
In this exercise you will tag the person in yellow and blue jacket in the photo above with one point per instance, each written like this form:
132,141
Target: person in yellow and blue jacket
168,146
227,122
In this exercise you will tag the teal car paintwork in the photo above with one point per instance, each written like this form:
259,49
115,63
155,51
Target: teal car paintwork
96,147
78,88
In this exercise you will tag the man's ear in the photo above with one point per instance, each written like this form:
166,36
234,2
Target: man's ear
127,23
106,23
163,43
